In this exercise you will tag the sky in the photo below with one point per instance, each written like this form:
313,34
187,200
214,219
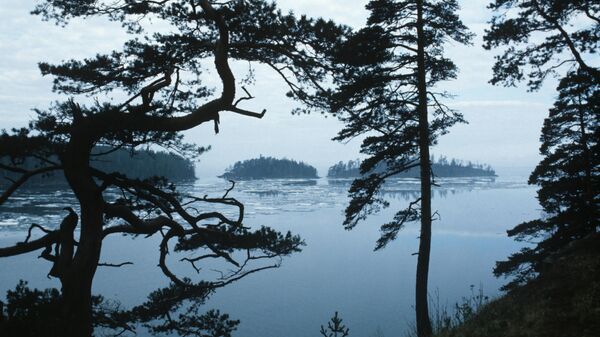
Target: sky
503,123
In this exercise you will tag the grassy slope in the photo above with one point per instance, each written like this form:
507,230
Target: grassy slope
563,302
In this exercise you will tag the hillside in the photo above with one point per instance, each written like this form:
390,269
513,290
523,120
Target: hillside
147,163
269,168
562,302
441,168
142,164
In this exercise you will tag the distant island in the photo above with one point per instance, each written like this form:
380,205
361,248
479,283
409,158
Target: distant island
269,168
441,168
141,164
145,164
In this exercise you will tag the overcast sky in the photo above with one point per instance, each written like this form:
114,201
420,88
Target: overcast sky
504,123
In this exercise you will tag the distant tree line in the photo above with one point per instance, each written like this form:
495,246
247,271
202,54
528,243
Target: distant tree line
269,168
442,167
139,164
146,163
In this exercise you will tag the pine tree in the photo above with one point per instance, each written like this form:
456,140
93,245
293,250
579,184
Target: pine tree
568,176
387,93
566,35
335,328
554,38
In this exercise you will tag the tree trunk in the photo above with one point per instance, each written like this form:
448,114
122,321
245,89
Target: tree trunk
421,301
77,279
77,283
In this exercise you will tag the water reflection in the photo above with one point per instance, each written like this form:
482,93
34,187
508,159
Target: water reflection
311,182
266,193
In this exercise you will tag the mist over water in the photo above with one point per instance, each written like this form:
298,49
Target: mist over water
337,269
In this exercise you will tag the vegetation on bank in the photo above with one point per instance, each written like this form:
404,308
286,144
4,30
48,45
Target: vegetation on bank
442,167
562,301
141,164
269,168
555,280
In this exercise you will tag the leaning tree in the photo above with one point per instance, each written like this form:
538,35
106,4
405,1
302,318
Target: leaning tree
386,93
164,76
542,39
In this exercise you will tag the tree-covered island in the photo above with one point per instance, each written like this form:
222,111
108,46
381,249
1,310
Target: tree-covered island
442,167
269,168
139,164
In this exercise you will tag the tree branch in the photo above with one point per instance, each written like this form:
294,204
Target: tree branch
30,246
23,179
117,265
593,71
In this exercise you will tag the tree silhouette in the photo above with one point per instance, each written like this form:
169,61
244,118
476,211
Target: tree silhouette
386,92
335,328
569,180
29,312
163,74
32,313
559,43
568,175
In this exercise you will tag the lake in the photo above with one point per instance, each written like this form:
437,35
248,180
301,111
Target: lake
337,269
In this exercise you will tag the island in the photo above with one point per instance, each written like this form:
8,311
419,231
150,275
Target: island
269,168
140,164
442,167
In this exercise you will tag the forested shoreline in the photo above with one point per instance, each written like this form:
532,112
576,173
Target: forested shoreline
269,168
441,168
140,164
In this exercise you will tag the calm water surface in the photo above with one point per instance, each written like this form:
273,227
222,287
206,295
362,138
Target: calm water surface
336,271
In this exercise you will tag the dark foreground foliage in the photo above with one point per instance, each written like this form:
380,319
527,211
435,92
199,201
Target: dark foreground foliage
568,176
29,313
33,313
270,168
335,328
563,301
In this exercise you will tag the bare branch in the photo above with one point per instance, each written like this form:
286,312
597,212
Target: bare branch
229,189
30,246
247,113
23,179
248,97
114,265
47,231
